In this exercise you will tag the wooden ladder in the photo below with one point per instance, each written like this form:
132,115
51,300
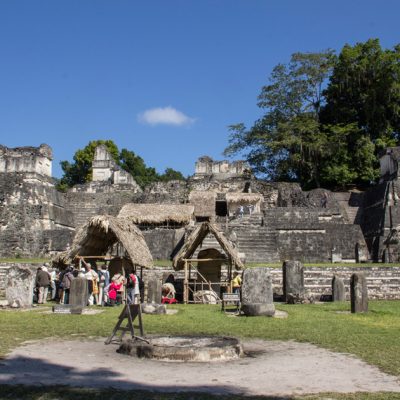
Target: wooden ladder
129,312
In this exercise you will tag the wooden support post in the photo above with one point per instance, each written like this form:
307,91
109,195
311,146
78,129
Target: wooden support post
185,284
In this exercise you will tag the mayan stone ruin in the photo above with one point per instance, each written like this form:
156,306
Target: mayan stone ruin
265,221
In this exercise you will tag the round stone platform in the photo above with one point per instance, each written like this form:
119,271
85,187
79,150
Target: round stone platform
184,348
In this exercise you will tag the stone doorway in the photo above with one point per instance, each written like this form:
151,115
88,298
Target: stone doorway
221,208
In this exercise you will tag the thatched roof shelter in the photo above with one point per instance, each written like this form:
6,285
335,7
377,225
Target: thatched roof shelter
244,198
196,238
203,202
236,199
157,213
100,233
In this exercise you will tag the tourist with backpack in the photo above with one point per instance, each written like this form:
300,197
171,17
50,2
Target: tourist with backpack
132,289
66,284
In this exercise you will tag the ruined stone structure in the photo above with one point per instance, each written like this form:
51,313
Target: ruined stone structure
34,217
105,169
207,167
36,160
266,221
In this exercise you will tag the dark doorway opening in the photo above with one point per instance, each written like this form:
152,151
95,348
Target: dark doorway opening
221,208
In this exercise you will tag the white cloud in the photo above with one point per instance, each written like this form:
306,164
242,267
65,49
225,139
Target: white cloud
164,116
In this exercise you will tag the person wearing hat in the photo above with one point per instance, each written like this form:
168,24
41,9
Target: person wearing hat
42,284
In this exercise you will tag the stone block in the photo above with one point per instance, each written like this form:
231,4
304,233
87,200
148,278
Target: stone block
67,309
153,308
19,286
257,293
358,293
78,293
293,280
154,291
338,289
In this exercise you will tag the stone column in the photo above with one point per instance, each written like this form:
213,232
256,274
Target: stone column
293,281
358,293
257,293
338,290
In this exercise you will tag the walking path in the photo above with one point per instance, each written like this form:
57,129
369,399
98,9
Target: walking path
273,368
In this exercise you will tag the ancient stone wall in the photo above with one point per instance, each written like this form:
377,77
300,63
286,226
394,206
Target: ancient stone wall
376,218
383,282
162,242
172,192
34,219
26,159
220,169
95,198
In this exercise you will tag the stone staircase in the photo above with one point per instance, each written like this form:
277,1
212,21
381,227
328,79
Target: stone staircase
350,204
257,243
84,212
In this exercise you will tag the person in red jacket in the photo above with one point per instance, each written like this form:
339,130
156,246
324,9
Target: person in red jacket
113,288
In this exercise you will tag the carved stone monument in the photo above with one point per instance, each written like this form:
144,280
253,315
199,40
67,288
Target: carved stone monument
257,293
154,291
19,286
358,293
338,290
293,281
78,293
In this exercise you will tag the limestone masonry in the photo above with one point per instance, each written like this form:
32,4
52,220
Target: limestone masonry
265,221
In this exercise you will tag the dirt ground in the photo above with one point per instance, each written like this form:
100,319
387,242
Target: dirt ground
274,368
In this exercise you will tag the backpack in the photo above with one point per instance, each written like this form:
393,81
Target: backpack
66,280
132,281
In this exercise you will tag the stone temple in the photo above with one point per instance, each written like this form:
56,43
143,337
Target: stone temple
265,221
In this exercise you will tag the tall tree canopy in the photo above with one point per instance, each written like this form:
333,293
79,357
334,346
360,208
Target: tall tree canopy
325,117
80,171
286,143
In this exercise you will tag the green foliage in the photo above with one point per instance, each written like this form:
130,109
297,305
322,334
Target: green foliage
171,174
135,165
365,88
80,171
287,143
325,137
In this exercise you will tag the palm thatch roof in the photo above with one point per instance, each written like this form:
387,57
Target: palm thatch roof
243,198
196,238
204,202
157,213
100,233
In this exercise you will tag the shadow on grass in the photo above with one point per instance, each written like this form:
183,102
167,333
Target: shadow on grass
101,383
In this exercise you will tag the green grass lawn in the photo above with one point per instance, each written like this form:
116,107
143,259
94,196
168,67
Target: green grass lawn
67,393
374,337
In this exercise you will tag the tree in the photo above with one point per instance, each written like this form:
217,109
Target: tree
171,175
80,171
326,118
136,166
364,88
287,143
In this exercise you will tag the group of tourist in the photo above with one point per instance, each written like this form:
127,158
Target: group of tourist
101,289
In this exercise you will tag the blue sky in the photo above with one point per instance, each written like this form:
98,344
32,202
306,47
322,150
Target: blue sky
162,78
